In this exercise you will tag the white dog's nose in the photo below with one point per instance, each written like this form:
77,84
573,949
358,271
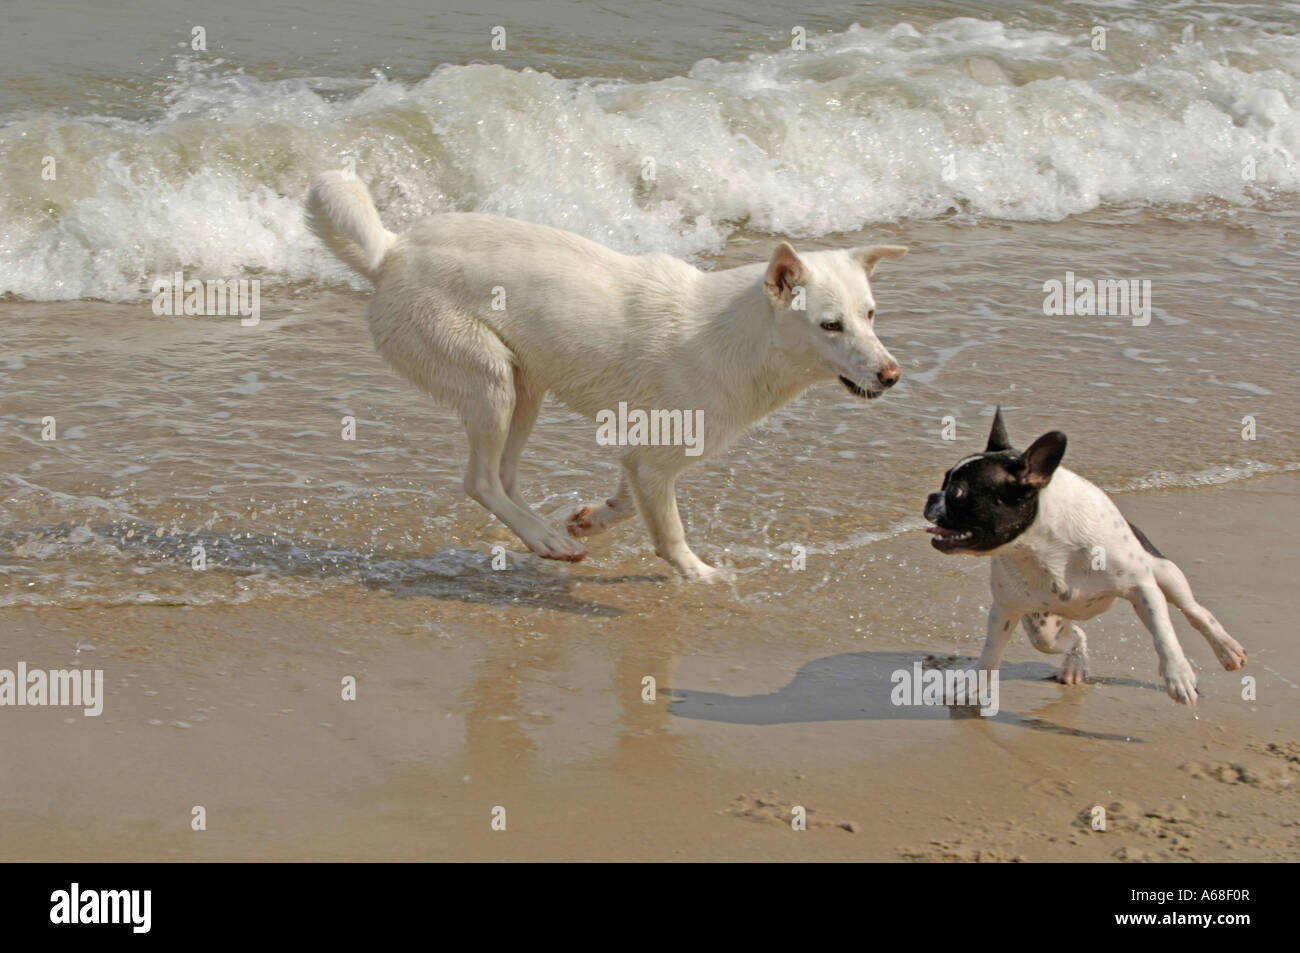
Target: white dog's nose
890,375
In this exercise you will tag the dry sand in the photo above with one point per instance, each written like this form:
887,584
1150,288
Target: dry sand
238,709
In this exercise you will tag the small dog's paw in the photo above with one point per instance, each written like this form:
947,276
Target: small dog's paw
1074,670
1180,683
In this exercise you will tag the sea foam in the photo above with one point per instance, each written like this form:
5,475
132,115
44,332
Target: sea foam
966,117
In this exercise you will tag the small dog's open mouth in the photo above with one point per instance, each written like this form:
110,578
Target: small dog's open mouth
857,391
947,538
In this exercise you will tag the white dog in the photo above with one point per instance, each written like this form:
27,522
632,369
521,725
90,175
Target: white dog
490,314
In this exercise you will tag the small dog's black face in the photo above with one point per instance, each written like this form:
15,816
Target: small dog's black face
991,498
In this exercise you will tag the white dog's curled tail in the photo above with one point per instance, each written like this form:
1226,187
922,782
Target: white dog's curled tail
341,213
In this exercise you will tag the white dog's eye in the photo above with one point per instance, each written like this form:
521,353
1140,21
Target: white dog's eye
832,326
871,315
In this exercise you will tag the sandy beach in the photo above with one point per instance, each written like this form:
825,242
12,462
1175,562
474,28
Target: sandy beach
240,711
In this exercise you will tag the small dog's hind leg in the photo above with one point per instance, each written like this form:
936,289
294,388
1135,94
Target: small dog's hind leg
1174,585
1051,633
1151,607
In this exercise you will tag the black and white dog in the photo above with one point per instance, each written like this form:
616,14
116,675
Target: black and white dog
1063,553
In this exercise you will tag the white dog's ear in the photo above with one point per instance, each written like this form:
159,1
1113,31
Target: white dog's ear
870,256
785,272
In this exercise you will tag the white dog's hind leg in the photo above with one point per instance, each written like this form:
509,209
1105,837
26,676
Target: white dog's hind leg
528,402
487,407
596,518
656,498
1174,585
1050,633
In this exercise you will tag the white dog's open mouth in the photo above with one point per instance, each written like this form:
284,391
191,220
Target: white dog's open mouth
857,391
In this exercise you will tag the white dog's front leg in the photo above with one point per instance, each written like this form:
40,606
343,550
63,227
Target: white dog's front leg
656,498
1000,626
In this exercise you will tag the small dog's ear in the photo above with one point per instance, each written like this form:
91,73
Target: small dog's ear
998,434
1042,458
785,272
869,257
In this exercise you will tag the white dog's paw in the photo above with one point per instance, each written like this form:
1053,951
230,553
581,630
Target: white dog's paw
719,574
553,545
1074,670
1230,653
585,521
1180,683
580,522
697,570
593,519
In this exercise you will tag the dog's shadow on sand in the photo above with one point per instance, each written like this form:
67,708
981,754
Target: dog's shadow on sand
858,686
454,573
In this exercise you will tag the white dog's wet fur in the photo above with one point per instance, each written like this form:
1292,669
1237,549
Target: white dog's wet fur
491,314
1063,553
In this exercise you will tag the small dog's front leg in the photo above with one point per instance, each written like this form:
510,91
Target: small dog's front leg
1054,633
1000,626
1151,607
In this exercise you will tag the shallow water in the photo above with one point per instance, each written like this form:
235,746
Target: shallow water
175,433
993,139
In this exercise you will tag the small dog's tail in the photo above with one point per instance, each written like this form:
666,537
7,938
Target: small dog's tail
341,213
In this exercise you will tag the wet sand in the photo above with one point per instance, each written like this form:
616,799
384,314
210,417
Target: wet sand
461,708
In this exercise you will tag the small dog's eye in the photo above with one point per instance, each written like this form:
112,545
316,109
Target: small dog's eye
871,315
832,326
958,492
